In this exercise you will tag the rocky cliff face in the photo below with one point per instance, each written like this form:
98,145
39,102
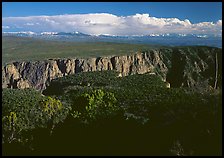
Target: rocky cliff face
179,66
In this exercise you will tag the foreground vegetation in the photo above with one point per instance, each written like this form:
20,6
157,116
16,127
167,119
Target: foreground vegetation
99,113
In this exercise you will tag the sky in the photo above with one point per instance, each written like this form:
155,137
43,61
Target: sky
116,18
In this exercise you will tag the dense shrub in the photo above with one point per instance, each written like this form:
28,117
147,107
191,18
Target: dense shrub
94,105
53,110
27,109
186,121
82,79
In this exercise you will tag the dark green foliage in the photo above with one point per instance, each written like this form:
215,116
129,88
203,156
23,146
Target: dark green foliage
24,110
133,115
138,87
53,110
124,88
98,78
24,103
94,105
81,80
146,100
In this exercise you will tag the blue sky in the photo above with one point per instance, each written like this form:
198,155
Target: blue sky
114,18
194,11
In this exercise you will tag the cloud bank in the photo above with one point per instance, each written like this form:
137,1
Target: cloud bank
104,23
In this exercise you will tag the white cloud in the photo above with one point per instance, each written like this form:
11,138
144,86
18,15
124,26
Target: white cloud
104,23
29,24
5,27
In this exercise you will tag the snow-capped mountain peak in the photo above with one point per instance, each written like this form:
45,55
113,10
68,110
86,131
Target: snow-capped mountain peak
158,38
48,33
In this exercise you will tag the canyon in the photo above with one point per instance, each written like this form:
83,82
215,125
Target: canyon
179,66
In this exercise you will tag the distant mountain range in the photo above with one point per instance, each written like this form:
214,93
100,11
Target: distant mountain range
161,39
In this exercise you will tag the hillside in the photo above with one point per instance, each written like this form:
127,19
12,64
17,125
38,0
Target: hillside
99,113
31,49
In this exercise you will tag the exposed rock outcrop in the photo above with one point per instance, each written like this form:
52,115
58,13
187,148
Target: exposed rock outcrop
178,66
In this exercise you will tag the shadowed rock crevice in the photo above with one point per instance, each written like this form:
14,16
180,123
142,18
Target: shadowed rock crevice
113,62
78,65
175,75
62,66
97,61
